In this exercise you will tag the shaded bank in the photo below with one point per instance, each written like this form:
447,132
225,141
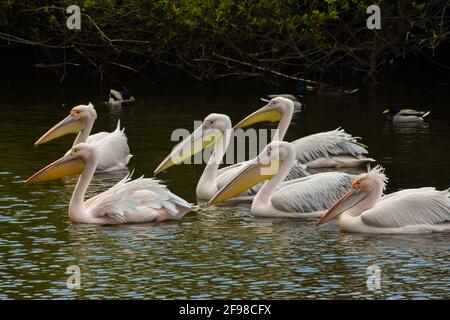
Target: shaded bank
211,40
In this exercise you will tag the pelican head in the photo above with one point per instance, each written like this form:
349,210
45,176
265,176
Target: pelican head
75,122
71,163
272,111
374,181
263,167
213,127
392,109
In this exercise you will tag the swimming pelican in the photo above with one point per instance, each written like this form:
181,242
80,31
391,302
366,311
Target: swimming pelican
215,129
120,98
364,209
396,114
298,198
331,149
139,200
114,153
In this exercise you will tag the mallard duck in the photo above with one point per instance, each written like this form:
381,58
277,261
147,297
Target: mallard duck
334,91
301,87
396,114
120,98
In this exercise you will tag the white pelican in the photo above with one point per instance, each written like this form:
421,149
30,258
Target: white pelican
364,209
120,98
139,200
331,149
114,153
215,129
396,114
298,198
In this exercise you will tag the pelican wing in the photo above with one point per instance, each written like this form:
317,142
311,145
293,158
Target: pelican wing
403,192
410,207
128,195
114,152
327,144
316,192
298,170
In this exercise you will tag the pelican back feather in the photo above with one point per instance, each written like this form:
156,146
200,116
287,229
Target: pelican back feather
327,144
316,192
424,206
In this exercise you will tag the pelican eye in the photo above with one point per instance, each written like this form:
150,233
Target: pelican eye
357,184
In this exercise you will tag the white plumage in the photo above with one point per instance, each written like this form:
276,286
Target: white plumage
303,197
330,149
139,200
314,193
213,178
114,153
327,144
132,197
425,206
364,209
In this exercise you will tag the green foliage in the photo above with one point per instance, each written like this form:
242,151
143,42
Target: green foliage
304,36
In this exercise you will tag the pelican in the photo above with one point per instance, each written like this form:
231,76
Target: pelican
396,114
364,209
331,149
120,98
297,104
139,200
114,153
215,129
299,198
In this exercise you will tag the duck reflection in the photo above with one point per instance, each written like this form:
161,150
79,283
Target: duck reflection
407,127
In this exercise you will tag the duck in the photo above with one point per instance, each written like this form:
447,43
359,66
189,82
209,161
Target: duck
327,90
396,114
120,98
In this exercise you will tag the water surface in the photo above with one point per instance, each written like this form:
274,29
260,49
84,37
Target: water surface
223,252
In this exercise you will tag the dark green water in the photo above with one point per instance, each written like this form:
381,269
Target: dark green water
216,253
